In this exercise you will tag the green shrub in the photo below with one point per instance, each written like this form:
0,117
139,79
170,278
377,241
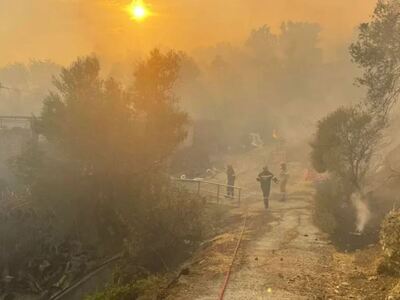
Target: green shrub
145,288
165,231
344,144
116,292
327,201
99,169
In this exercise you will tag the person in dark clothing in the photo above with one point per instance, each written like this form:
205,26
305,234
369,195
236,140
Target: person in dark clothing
265,178
231,176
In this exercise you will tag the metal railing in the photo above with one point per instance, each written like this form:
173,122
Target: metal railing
16,121
212,190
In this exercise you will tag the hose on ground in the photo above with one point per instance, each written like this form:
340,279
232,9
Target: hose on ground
229,271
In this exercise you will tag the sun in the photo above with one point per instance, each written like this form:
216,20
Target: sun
138,10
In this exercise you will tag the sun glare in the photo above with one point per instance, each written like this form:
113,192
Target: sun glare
138,10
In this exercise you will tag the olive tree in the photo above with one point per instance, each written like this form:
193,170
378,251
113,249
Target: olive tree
376,51
344,144
101,166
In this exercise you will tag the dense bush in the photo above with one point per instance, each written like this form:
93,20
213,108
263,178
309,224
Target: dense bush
105,147
343,146
335,213
390,240
34,258
166,232
327,202
99,172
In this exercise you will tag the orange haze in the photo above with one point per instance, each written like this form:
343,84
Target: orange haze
63,29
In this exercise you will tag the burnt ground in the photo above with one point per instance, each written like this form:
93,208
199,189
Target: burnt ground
283,255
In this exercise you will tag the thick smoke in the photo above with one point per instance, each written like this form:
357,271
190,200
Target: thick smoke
24,86
61,30
362,210
275,80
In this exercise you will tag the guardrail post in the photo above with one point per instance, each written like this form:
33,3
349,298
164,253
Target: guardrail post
218,188
240,195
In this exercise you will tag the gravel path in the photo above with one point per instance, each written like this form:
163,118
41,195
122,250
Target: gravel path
283,256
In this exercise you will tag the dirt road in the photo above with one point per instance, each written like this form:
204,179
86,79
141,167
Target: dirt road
283,256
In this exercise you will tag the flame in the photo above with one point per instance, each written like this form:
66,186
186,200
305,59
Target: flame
275,135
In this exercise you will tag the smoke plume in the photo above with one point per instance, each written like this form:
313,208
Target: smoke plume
362,210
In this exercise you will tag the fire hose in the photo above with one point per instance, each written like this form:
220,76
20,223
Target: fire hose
229,271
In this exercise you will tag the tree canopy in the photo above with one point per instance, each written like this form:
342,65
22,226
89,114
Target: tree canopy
376,51
104,144
344,144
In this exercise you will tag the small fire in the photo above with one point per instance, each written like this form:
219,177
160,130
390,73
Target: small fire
275,134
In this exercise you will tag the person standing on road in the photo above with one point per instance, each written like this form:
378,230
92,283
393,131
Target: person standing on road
265,178
231,177
283,179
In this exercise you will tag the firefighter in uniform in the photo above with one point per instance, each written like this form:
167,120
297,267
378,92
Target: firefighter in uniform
265,178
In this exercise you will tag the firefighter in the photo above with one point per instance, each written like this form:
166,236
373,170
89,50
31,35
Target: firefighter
231,176
265,178
283,179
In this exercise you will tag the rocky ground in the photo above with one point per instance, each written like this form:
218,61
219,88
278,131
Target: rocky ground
283,255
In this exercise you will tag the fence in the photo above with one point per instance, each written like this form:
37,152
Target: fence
215,192
16,121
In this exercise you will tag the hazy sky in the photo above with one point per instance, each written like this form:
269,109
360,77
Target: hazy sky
63,29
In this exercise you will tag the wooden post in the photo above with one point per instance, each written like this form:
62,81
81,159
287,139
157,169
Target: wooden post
240,195
218,188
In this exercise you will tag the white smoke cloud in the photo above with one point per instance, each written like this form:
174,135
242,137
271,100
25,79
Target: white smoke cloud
362,210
